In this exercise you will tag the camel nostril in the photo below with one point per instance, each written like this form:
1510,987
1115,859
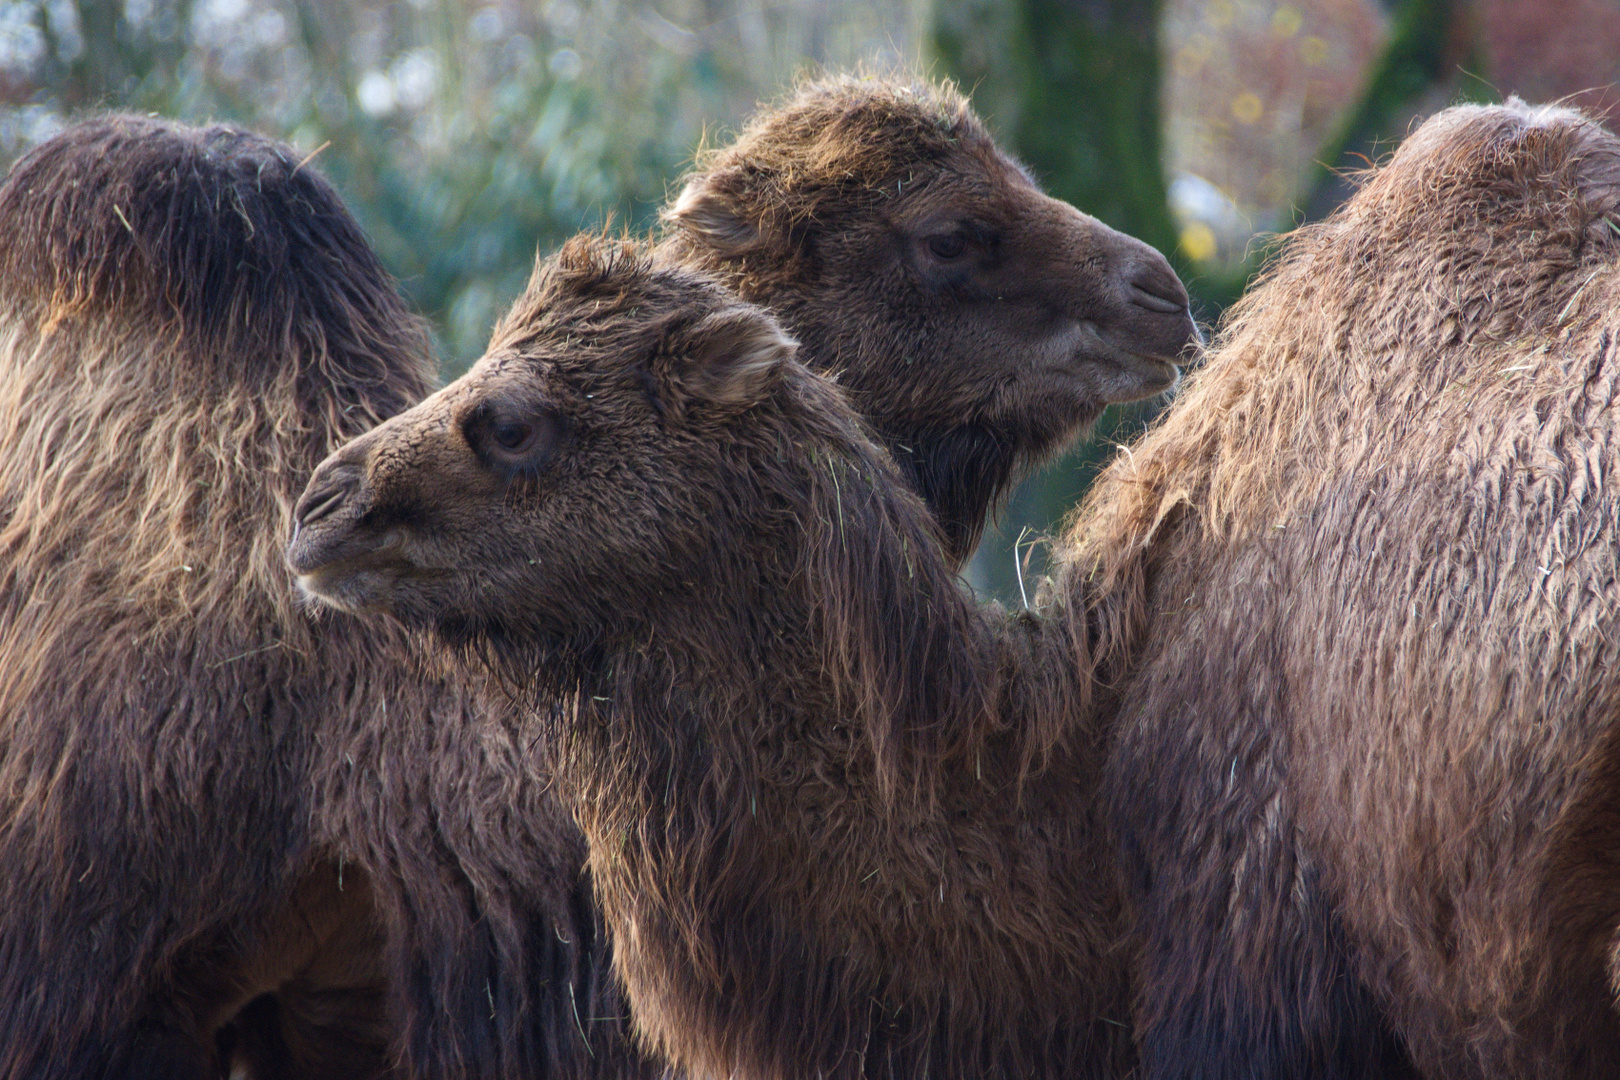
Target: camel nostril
1153,301
321,500
1153,285
324,504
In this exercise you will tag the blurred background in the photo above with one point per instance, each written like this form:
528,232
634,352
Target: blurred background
467,135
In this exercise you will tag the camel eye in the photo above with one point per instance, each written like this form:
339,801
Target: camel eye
513,439
947,245
512,435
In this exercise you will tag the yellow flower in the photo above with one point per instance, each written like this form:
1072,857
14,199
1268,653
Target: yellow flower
1198,241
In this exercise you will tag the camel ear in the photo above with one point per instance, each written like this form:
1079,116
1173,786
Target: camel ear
711,215
737,355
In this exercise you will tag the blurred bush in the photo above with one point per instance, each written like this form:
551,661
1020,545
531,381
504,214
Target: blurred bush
464,135
1253,92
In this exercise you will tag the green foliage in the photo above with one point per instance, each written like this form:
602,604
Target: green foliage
465,134
462,138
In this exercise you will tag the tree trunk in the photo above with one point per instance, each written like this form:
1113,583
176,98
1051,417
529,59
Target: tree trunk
1072,88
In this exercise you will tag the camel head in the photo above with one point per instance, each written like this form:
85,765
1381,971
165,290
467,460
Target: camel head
978,323
583,468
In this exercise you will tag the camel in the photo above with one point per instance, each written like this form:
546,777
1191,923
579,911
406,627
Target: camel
1356,596
467,932
978,324
1338,626
215,847
842,821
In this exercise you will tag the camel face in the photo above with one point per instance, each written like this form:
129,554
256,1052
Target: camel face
575,472
1036,300
446,511
978,325
884,217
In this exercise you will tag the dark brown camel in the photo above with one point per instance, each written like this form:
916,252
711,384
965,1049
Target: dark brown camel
1353,596
840,819
1362,581
978,324
234,836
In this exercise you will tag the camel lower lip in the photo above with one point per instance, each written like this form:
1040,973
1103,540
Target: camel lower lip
314,586
1168,368
335,582
1145,365
1097,346
336,578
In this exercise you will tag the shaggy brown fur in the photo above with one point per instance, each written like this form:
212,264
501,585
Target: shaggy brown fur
1364,578
189,321
474,868
977,323
838,823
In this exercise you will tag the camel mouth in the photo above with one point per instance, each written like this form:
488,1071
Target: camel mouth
1160,370
1145,372
351,573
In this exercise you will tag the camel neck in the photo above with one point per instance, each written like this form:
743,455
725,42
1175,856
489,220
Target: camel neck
848,615
810,795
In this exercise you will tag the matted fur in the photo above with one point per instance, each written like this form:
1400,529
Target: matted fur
154,661
208,793
974,368
1361,583
840,817
160,248
840,143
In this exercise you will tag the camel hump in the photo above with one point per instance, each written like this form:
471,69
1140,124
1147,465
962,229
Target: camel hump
212,234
